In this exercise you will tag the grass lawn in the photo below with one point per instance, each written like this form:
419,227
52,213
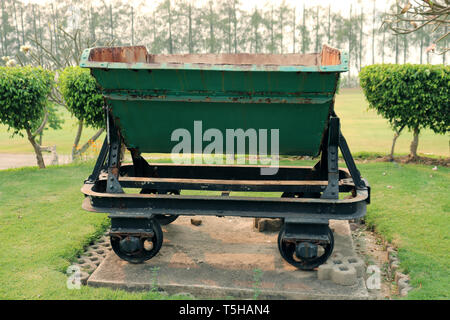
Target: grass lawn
364,130
63,139
43,228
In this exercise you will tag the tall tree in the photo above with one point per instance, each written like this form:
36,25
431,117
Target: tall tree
317,30
294,28
361,34
374,16
306,40
282,13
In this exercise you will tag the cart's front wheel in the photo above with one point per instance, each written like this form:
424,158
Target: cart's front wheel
136,249
305,254
163,219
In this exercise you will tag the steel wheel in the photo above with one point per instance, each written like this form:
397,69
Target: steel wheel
287,251
147,247
163,219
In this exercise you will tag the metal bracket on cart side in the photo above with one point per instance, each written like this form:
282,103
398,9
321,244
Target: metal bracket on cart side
99,164
354,172
332,190
132,226
306,231
112,184
140,165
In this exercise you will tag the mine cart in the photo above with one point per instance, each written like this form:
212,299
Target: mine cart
149,97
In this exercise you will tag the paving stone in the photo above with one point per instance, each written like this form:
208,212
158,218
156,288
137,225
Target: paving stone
196,222
336,255
263,224
324,271
398,275
344,275
356,263
394,266
84,276
227,252
403,283
87,267
404,291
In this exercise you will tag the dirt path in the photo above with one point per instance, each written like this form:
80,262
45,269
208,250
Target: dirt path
17,160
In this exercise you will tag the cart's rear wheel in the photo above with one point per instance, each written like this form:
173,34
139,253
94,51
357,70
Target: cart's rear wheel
288,250
138,249
164,219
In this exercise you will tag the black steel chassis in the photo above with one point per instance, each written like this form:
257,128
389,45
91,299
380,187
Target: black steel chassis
310,194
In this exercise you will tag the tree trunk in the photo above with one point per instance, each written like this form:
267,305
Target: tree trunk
37,150
77,139
317,29
414,144
132,26
21,23
445,46
190,30
293,33
421,48
91,140
170,29
16,25
373,32
396,135
361,33
111,23
350,42
329,25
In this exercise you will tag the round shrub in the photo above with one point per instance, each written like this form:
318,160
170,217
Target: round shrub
23,96
82,96
412,96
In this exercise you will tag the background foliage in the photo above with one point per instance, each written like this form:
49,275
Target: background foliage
23,96
56,30
414,96
82,96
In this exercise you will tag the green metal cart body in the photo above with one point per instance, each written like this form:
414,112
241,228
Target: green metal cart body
148,97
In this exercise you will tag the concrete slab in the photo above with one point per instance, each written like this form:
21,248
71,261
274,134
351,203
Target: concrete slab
221,258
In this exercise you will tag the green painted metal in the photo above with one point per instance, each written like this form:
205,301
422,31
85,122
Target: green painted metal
149,101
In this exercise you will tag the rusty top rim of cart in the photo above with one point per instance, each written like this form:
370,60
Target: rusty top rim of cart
137,57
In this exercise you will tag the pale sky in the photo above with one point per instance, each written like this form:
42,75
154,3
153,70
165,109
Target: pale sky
336,5
341,5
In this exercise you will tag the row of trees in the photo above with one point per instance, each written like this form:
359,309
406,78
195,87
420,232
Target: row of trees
179,26
59,31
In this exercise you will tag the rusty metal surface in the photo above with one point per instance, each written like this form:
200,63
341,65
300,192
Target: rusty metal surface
133,54
292,93
312,59
330,56
139,54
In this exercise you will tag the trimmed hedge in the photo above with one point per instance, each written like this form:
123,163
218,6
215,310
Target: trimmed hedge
23,96
82,96
412,96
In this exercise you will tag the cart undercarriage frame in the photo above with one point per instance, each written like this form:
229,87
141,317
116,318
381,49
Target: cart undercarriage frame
310,197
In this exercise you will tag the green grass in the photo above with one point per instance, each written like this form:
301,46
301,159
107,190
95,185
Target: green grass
43,228
364,130
63,139
415,215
